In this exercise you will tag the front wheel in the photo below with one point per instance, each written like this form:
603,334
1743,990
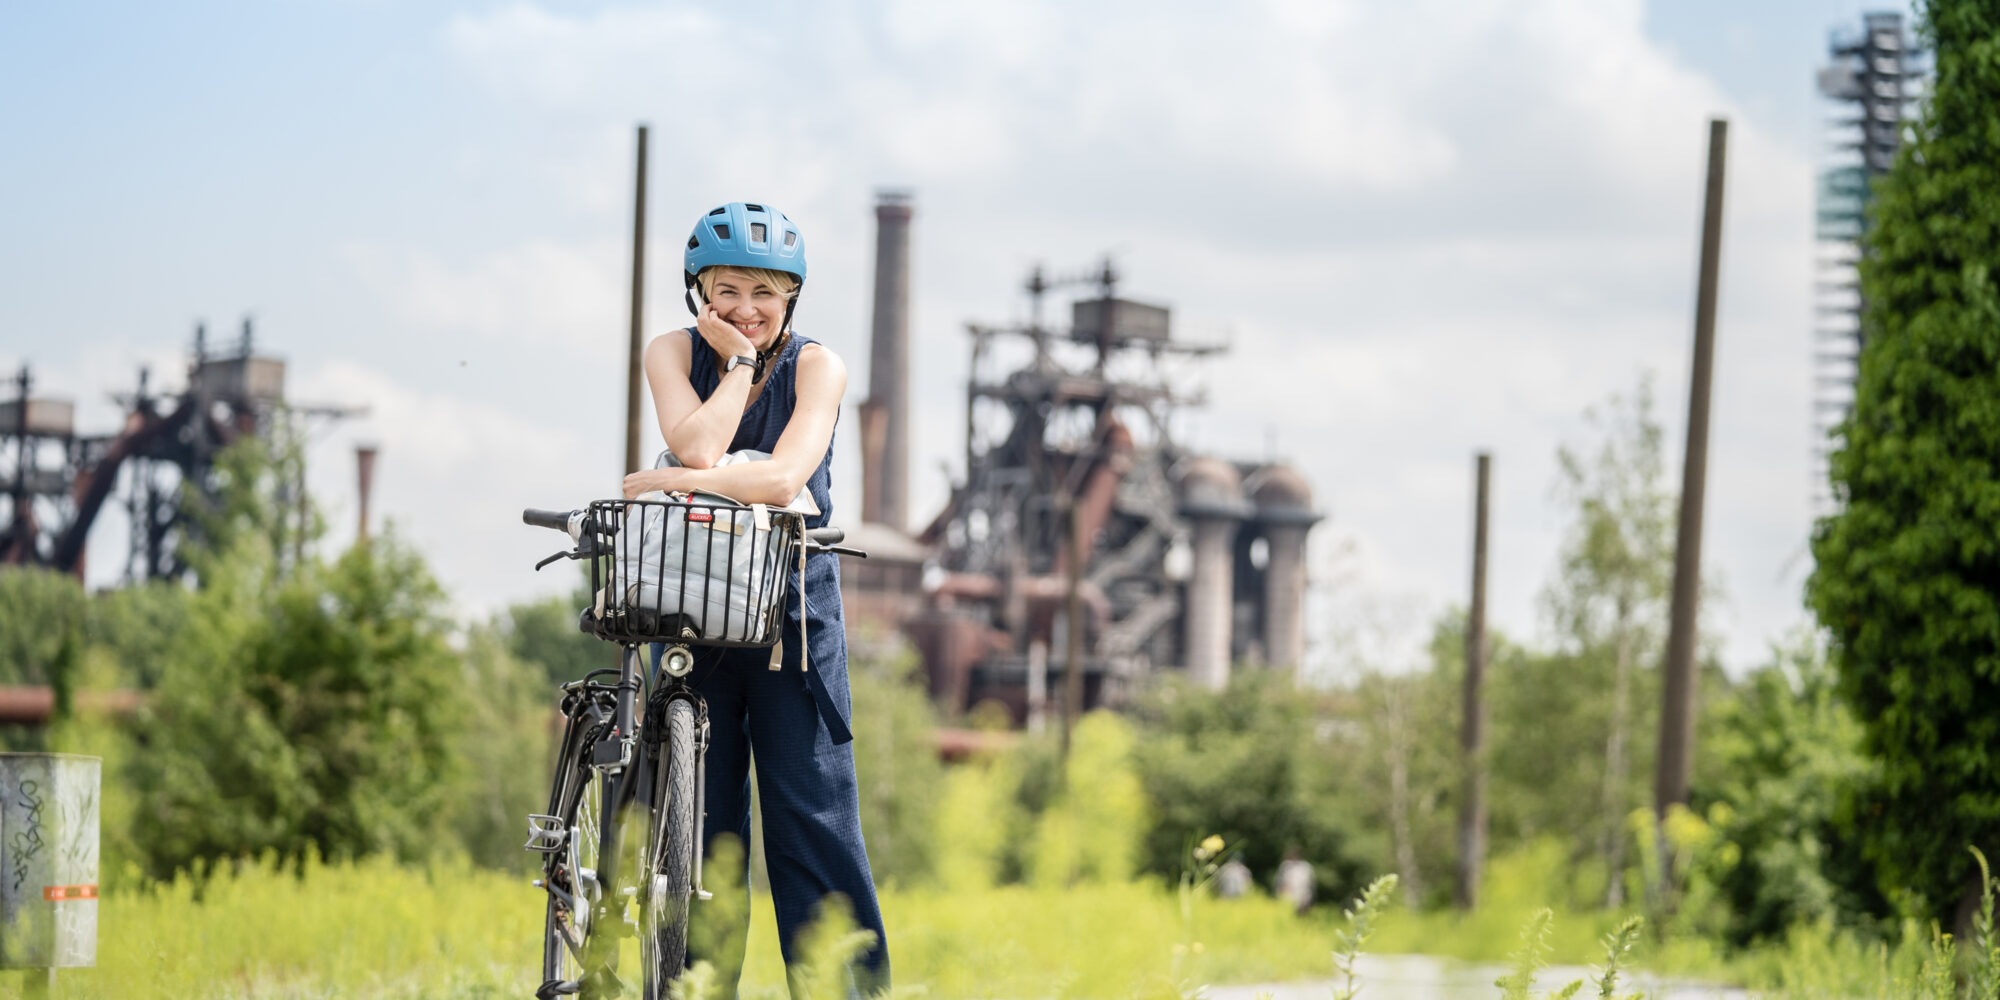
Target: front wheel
670,853
571,874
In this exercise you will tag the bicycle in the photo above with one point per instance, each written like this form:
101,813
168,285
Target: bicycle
656,567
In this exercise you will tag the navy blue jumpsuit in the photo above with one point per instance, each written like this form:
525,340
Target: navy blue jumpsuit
795,721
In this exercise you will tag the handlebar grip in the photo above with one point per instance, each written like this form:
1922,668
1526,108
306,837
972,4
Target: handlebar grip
826,536
554,519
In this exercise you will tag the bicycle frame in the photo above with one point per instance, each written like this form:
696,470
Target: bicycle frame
627,772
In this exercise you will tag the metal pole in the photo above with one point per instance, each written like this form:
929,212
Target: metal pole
1073,659
1472,813
1676,753
638,314
21,528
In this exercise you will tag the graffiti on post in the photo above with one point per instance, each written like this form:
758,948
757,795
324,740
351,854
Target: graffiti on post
26,843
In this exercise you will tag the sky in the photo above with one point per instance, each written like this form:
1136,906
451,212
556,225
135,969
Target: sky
1425,229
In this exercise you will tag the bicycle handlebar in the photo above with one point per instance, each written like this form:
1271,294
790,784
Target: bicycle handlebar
557,520
825,539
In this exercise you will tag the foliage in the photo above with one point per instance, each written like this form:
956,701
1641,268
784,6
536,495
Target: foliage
1608,605
41,637
131,625
1091,830
895,760
1530,958
505,739
1358,922
1788,763
1617,953
1983,982
1254,765
544,633
1407,771
1908,570
313,711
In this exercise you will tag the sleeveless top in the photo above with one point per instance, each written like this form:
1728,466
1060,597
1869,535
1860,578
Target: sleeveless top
764,422
816,612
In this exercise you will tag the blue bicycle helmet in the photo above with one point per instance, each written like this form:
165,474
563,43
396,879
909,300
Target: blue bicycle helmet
744,234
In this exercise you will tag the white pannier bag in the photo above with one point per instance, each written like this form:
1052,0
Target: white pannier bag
716,565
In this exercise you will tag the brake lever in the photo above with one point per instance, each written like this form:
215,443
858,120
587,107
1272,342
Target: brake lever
839,550
553,558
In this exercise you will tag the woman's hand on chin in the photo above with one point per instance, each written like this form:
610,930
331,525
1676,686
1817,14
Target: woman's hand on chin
722,336
650,480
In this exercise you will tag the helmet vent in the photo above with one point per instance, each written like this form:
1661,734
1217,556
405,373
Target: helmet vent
694,242
791,237
756,232
754,208
722,230
719,211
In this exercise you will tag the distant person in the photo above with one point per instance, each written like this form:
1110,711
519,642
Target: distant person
1295,881
1232,880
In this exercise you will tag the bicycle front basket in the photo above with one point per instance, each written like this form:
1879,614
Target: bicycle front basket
704,571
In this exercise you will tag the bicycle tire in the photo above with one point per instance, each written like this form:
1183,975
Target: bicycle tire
670,843
577,798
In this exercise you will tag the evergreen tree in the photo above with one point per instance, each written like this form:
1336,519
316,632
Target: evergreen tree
1908,577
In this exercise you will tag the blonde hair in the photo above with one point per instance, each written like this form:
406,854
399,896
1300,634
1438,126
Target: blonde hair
779,282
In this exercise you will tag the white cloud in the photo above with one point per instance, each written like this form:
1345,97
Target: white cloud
1428,227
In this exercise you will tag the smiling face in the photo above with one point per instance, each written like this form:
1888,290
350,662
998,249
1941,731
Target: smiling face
747,302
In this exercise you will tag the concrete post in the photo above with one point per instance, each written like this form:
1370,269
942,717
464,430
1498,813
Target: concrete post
48,860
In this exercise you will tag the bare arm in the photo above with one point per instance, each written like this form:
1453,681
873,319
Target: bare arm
822,381
697,431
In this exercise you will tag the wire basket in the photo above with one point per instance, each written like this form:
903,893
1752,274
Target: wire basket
704,572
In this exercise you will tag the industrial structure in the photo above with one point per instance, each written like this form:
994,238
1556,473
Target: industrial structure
58,481
1085,545
1875,79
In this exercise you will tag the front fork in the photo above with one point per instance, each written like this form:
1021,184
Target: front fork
676,663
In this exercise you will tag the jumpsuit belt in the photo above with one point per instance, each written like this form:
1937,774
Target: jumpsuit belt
829,713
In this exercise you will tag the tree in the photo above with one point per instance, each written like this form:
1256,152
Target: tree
320,710
1609,599
544,633
41,637
1253,764
1907,581
1781,795
895,758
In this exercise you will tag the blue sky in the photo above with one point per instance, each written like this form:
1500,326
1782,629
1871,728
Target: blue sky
1426,228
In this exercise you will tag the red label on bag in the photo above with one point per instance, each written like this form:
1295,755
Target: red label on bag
58,893
702,516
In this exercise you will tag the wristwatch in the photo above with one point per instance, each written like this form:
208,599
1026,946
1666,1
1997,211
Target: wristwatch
756,366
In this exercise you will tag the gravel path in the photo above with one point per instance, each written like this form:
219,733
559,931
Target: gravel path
1424,977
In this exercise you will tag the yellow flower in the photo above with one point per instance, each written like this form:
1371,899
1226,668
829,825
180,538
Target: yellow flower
1213,845
1198,948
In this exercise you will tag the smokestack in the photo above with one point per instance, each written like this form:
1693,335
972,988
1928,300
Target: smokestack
364,463
1284,505
1212,501
885,416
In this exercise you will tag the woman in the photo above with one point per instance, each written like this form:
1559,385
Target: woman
741,379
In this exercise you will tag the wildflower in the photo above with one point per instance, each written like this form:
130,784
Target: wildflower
1213,845
1199,948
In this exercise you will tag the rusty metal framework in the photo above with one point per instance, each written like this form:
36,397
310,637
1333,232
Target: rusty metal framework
58,481
1082,428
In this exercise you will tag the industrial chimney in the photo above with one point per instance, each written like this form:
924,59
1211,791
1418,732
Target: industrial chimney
885,416
1211,498
1284,508
364,463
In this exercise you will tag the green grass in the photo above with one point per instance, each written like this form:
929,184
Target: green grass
374,929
